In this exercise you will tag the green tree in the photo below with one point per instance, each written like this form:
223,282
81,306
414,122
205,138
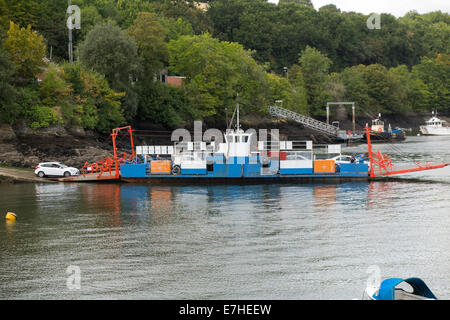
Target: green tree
4,18
297,81
129,10
110,51
315,67
26,50
176,28
51,23
416,96
23,12
163,104
435,73
356,88
8,109
90,18
150,37
94,105
292,96
304,2
41,116
186,10
216,72
384,90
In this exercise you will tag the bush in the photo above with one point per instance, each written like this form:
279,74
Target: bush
163,104
40,116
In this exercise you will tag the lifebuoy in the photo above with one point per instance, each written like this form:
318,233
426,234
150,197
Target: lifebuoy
176,170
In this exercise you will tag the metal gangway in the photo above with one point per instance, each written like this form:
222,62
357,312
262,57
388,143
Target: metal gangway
305,120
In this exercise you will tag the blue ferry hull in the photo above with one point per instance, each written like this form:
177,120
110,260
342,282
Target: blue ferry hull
241,173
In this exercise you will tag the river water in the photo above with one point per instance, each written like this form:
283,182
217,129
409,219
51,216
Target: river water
268,241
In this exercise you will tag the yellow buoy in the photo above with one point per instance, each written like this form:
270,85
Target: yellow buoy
11,216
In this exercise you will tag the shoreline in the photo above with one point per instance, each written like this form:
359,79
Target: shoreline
20,175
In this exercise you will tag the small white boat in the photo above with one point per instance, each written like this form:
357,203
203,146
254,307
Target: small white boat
435,127
399,289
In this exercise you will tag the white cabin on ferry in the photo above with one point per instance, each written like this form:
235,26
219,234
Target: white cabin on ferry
237,144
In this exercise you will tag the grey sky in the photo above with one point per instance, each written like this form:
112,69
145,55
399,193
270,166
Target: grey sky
395,7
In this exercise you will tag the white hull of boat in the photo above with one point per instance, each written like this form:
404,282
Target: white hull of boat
435,131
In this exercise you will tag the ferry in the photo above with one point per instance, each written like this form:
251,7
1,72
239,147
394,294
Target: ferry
239,157
242,158
435,127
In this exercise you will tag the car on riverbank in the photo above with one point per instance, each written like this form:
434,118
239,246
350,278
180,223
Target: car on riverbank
55,169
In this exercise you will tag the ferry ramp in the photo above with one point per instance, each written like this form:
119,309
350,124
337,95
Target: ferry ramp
312,123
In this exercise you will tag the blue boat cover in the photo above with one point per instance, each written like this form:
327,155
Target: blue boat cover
387,288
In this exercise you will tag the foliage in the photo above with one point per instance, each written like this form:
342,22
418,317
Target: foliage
54,90
163,104
293,97
41,116
435,74
304,2
110,51
186,10
95,103
216,72
383,90
90,18
26,50
315,66
150,36
279,33
8,108
176,28
71,95
4,17
23,12
415,93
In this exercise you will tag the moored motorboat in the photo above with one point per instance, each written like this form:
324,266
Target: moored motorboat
379,134
435,127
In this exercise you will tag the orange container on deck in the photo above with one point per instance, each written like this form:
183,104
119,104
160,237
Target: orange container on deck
324,166
160,167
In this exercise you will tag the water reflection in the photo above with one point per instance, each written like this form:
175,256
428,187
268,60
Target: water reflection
325,196
160,202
